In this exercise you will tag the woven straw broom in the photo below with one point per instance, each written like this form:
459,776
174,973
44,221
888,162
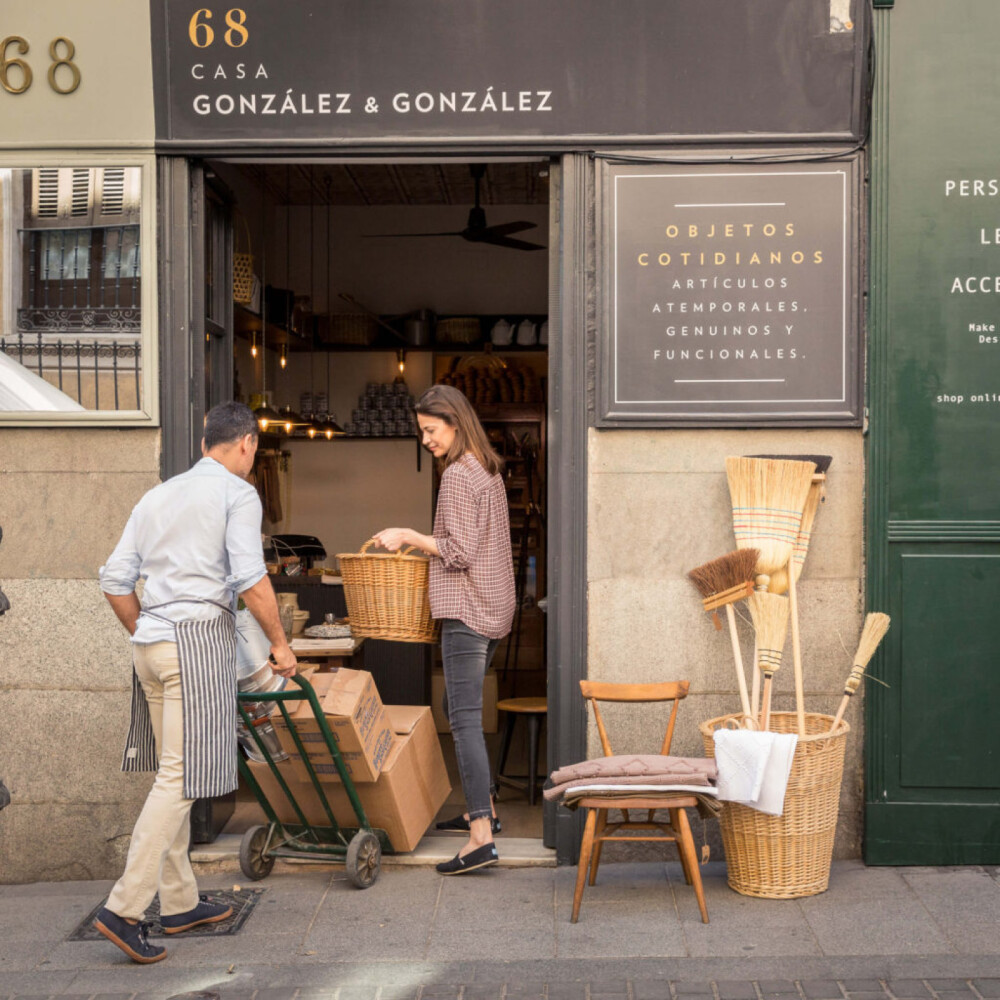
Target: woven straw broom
721,583
769,613
876,626
768,498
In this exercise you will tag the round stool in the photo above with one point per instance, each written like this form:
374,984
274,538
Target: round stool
535,710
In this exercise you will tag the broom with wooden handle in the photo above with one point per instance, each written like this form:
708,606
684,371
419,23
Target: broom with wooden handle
769,613
876,626
768,497
721,583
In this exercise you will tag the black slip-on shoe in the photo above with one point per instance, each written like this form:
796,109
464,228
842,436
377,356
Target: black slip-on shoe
131,938
206,912
481,857
462,823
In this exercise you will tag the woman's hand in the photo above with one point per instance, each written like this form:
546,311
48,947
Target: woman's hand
393,539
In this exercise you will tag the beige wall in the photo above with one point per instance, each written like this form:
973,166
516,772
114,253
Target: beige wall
659,506
113,106
64,660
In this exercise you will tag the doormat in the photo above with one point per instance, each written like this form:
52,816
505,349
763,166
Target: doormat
241,900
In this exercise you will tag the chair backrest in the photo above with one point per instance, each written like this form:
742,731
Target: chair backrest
596,691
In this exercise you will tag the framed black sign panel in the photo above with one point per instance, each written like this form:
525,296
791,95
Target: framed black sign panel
731,294
349,73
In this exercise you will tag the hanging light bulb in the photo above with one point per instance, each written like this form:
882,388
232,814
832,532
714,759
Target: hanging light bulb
253,344
267,417
401,361
312,430
283,360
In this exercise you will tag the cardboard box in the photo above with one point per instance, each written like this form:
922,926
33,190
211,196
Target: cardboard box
489,702
357,718
403,801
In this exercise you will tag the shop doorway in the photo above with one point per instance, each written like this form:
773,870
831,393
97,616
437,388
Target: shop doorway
367,283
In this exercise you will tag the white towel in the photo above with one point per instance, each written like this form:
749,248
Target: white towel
742,756
754,767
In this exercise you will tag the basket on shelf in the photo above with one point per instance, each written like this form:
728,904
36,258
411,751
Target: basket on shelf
242,268
787,856
387,595
458,330
346,328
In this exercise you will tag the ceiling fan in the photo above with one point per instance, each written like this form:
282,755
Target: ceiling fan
476,230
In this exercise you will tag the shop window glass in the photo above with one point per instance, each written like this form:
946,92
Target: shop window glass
72,330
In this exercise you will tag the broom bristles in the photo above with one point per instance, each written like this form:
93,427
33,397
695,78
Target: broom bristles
724,573
768,497
875,628
769,613
778,584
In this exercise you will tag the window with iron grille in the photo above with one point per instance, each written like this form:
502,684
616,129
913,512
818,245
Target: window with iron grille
71,327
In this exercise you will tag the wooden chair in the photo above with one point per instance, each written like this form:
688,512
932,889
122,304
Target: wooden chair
597,829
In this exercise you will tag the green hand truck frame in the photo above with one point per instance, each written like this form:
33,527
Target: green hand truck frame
360,847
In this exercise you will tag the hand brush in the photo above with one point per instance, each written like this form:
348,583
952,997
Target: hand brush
876,626
721,583
770,621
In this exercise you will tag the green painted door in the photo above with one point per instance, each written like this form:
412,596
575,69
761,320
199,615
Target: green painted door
933,735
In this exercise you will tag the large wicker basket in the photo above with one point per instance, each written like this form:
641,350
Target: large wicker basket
787,856
386,595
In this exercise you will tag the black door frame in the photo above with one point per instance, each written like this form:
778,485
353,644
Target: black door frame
182,392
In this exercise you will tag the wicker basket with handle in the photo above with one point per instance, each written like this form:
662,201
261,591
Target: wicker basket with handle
243,268
787,856
386,595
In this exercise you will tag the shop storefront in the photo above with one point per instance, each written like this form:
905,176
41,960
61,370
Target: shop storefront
672,269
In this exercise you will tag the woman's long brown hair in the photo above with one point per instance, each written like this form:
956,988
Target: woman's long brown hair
451,405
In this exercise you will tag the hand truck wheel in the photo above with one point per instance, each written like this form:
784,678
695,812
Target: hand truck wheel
364,859
254,863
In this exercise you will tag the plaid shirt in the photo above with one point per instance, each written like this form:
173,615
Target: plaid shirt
473,580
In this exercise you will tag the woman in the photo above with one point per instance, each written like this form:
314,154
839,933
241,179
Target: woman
471,592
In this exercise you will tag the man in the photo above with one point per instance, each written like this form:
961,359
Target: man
195,540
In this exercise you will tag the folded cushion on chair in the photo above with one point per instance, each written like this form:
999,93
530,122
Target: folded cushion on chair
634,769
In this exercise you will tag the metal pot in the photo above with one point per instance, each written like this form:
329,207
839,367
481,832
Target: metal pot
418,328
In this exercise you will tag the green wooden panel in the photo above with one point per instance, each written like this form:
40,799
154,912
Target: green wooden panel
950,690
932,745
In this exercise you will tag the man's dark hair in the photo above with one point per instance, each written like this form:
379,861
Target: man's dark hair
228,422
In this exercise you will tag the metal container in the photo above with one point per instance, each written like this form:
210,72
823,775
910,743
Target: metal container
418,328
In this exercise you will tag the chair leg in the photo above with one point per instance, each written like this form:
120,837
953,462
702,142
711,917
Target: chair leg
686,842
675,824
595,860
584,863
534,726
508,732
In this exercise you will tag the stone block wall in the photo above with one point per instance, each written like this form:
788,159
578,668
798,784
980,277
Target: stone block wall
65,663
659,506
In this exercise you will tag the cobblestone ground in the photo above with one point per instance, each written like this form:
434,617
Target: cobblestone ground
624,989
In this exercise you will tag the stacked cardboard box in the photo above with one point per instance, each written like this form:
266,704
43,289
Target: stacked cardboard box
410,789
356,717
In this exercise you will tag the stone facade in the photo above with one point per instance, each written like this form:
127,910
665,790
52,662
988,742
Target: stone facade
65,663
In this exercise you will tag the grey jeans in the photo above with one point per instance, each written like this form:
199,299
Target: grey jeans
467,656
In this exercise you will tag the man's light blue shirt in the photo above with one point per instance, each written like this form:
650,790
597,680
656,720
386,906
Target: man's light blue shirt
195,536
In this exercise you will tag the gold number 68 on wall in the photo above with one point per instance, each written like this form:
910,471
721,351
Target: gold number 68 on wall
13,86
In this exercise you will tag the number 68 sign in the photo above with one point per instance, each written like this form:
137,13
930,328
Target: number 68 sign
10,82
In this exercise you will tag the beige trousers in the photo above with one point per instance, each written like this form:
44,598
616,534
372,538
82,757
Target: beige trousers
158,854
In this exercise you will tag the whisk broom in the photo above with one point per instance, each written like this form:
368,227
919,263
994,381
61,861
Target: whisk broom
768,497
876,626
769,613
721,583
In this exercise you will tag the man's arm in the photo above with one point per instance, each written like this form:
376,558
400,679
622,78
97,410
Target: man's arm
263,606
127,608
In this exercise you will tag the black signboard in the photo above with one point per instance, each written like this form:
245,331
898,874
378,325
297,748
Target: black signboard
373,72
730,294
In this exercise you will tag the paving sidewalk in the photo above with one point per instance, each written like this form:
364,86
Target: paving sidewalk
877,933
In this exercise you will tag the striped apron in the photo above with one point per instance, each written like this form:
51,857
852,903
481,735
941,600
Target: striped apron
206,649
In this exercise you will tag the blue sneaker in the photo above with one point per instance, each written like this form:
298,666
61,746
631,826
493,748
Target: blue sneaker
204,913
131,938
